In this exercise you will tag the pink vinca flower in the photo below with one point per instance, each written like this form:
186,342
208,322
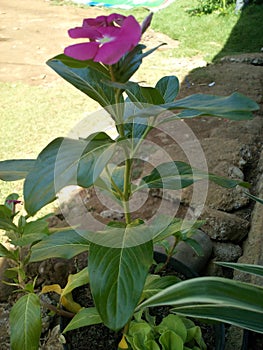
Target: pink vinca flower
110,38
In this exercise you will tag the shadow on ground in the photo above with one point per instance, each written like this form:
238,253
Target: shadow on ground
246,35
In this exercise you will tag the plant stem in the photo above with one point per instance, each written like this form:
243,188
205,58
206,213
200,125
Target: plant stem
128,161
169,256
58,311
127,178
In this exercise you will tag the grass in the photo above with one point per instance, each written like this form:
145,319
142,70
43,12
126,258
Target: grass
32,116
209,36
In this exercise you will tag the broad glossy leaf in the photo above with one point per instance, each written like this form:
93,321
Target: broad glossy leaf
66,162
240,317
139,333
177,175
87,76
4,252
76,280
85,317
117,277
171,340
6,219
33,231
247,268
155,283
16,169
25,323
209,290
241,303
164,226
168,87
64,244
173,323
29,239
141,95
235,106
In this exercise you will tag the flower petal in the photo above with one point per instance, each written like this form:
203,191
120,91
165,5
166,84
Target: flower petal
131,30
82,51
111,52
100,21
81,32
115,17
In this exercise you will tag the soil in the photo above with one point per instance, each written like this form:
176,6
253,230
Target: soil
32,31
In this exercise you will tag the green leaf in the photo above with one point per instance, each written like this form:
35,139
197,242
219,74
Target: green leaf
241,303
16,169
164,226
257,199
33,231
142,95
155,283
6,219
66,162
87,76
28,239
117,277
171,340
234,107
12,197
247,268
129,64
25,323
173,323
195,246
140,333
240,317
76,280
151,345
85,317
177,175
4,252
63,244
168,87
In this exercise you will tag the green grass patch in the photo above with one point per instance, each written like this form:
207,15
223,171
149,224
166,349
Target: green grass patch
32,116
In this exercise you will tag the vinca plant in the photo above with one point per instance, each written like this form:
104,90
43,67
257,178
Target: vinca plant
120,254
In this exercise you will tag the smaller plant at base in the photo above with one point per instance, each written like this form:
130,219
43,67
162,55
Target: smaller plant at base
120,254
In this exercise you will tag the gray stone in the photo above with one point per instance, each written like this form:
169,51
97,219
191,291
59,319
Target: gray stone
4,326
223,226
112,214
253,247
226,251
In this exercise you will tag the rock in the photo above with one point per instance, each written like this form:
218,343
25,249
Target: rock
226,251
54,340
223,226
4,326
226,199
112,214
253,247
